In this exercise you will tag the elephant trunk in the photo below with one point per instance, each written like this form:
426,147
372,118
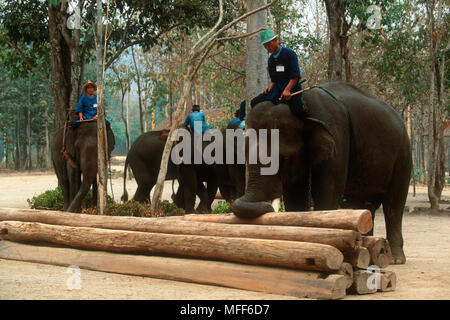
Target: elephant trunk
260,191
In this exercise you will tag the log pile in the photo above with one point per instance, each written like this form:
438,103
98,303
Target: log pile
316,254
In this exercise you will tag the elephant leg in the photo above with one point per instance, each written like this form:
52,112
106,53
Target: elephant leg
75,206
203,194
327,188
95,192
189,182
145,179
74,183
209,195
143,192
65,189
178,197
393,218
296,196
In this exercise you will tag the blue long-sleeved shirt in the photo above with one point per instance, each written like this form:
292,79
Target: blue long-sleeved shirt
191,118
87,106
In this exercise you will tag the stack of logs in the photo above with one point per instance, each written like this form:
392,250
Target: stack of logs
315,254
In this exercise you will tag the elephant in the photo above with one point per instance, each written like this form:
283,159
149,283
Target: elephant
81,153
352,146
144,158
228,178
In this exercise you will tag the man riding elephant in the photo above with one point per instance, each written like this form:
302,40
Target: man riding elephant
87,105
284,73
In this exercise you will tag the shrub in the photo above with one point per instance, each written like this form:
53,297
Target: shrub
222,207
137,209
53,200
49,200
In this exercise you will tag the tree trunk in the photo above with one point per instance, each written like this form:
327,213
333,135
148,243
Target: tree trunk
47,140
335,13
28,160
301,284
74,59
60,63
138,78
436,153
17,158
256,63
101,126
128,119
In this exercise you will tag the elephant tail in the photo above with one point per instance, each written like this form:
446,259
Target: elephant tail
125,193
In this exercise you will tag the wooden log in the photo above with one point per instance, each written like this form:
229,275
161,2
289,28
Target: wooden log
363,282
358,258
379,249
388,281
344,240
297,283
357,220
347,271
290,254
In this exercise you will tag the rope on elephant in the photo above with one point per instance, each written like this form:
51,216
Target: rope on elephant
345,108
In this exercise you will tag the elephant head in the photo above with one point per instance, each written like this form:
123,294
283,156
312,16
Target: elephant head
302,144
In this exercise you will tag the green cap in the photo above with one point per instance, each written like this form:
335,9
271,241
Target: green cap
266,36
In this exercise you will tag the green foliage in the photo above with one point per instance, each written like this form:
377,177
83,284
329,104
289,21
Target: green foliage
53,200
222,207
49,200
419,175
137,209
171,209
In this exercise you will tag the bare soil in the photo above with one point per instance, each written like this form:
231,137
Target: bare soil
424,276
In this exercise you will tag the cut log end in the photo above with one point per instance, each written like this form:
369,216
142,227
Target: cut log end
365,223
347,271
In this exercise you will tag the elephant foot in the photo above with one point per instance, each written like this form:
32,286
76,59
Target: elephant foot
398,256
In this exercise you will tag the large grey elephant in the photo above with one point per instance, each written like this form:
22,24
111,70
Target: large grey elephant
353,146
78,172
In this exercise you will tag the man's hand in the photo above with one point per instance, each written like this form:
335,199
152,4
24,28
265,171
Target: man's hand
95,117
81,116
266,90
286,95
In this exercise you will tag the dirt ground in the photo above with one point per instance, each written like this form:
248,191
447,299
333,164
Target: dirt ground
424,276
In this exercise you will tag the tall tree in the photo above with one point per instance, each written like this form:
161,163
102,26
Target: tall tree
436,156
197,54
256,67
138,82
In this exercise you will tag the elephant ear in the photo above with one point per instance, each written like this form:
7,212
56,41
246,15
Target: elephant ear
321,145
